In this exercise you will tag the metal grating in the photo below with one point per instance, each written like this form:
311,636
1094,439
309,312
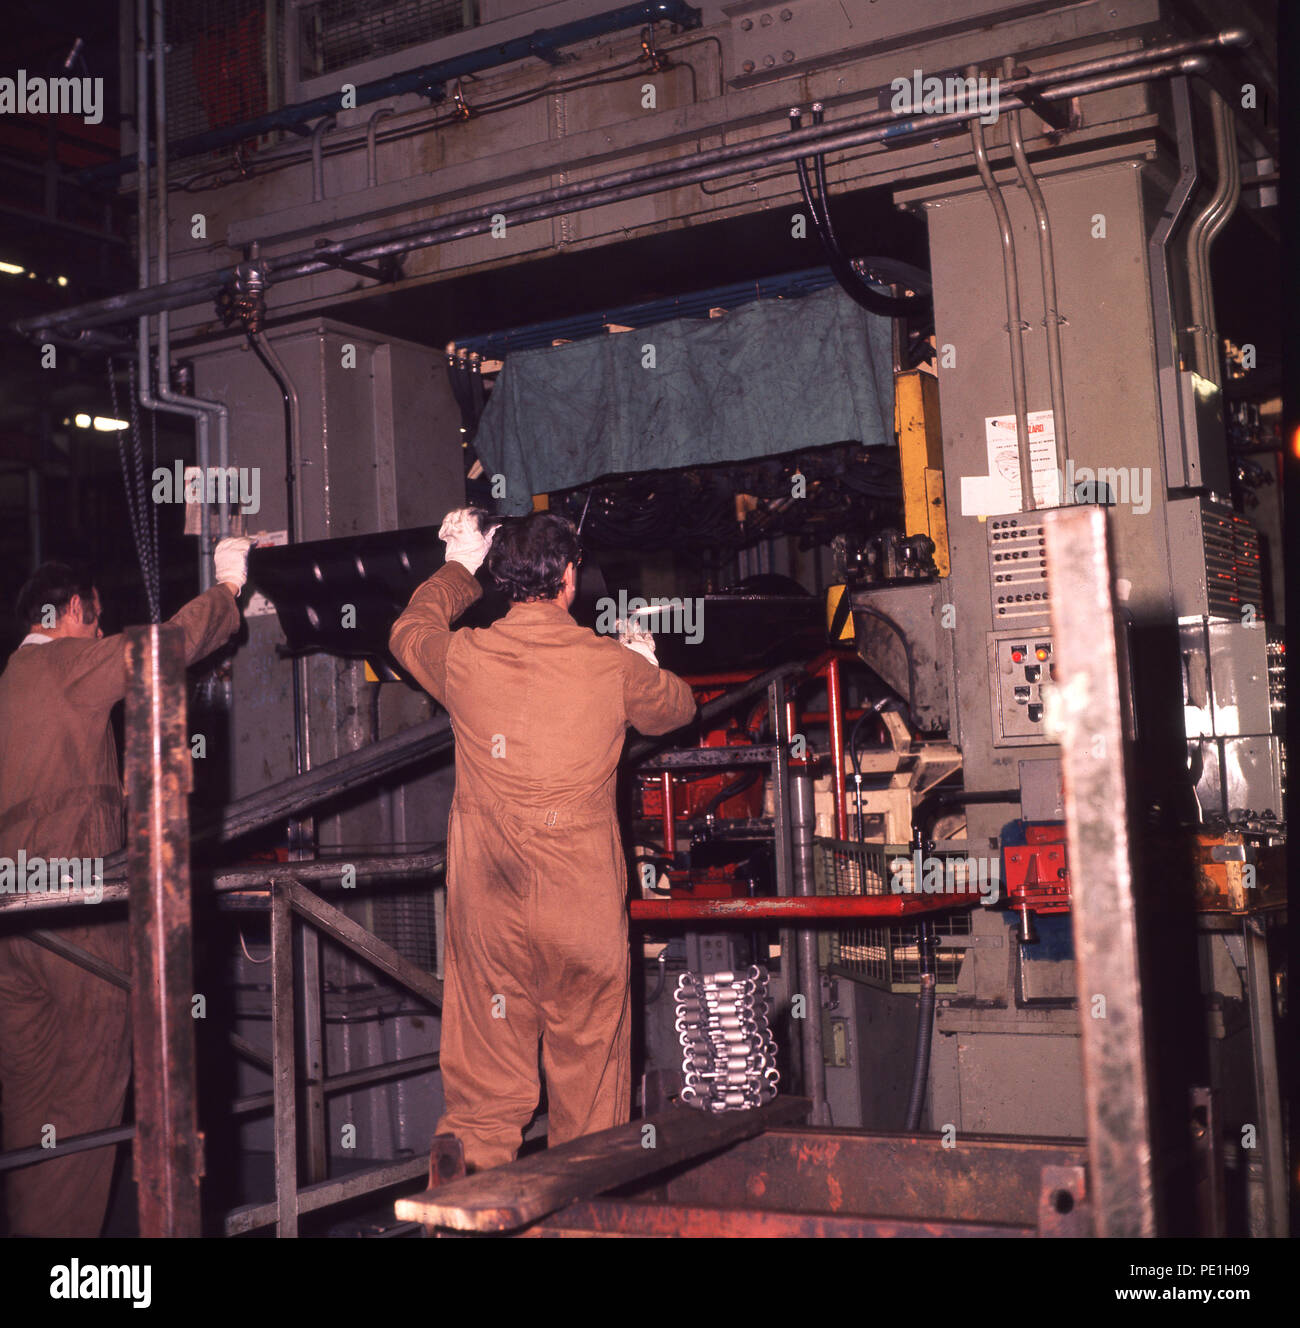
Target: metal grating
1232,565
405,919
886,957
217,67
337,34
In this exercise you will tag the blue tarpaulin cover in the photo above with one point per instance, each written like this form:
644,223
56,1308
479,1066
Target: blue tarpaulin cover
773,376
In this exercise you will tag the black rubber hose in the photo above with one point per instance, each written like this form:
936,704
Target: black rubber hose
921,1056
852,284
895,306
729,790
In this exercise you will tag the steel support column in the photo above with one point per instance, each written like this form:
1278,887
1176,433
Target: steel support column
814,1062
283,1055
1085,711
168,1147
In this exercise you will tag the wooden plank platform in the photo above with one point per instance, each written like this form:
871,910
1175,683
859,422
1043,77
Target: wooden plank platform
512,1196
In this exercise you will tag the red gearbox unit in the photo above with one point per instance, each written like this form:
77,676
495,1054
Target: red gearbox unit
1037,872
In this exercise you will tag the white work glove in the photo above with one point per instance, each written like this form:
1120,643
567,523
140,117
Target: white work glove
230,559
638,638
466,543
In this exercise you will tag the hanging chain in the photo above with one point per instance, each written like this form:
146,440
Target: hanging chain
137,494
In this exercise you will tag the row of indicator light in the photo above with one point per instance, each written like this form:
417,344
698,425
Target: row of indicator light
1041,651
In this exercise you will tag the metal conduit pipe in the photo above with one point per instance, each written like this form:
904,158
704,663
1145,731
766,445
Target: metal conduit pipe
318,157
1201,300
372,146
202,409
164,399
293,518
1166,339
1047,265
779,149
148,399
1225,141
1015,327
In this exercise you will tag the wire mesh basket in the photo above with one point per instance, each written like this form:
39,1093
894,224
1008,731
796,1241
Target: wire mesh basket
887,957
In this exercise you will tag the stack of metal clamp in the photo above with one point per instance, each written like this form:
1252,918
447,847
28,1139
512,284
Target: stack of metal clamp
729,1055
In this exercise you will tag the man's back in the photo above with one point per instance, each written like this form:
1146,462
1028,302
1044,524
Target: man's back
540,709
59,787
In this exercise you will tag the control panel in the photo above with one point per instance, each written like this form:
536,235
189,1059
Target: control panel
1021,664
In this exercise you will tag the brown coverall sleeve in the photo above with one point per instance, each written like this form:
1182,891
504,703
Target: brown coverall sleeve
422,634
655,700
97,678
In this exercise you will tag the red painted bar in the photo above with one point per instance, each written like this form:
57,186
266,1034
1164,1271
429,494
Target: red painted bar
816,907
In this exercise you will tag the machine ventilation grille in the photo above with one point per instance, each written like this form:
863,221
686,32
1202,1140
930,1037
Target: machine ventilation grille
337,34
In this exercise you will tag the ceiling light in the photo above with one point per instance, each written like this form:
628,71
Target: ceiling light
106,425
81,421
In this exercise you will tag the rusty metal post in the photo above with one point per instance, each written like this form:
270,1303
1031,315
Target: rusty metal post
285,1077
168,1146
1086,715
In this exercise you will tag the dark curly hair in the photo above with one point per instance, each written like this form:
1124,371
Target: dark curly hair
55,584
528,555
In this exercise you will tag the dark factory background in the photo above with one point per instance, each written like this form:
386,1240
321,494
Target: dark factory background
429,254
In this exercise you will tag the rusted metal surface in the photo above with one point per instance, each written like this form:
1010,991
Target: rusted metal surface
168,1146
818,908
982,1180
1063,1209
606,1217
509,1197
1084,709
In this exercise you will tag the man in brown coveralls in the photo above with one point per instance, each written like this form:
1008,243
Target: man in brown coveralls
537,941
65,1034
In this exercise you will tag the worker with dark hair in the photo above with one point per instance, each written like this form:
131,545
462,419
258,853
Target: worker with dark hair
65,1033
537,945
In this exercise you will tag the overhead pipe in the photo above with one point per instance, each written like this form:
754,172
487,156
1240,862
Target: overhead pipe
1047,267
1227,193
146,397
637,182
372,144
1198,295
201,409
318,157
1015,326
293,517
1164,321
